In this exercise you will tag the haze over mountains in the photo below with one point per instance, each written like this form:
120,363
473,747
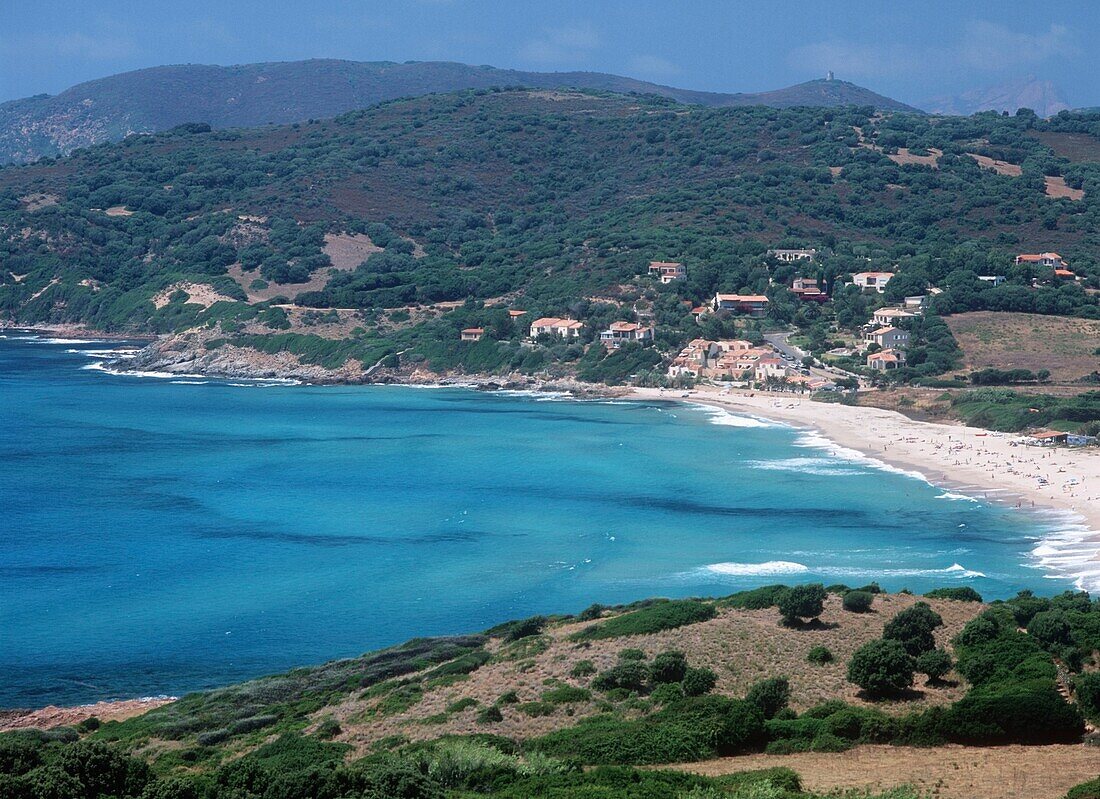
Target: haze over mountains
1041,96
159,98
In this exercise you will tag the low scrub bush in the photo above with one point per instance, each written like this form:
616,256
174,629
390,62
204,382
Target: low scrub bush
820,655
661,616
960,594
858,601
755,599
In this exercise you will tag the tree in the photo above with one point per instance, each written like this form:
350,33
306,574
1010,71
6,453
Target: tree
914,627
802,602
1050,628
882,668
935,663
771,695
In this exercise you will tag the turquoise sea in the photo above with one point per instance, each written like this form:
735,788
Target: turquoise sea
164,535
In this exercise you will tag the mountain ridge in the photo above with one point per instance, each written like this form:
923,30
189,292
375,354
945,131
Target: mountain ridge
247,95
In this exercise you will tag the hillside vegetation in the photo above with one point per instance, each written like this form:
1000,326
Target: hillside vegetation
246,95
553,202
525,707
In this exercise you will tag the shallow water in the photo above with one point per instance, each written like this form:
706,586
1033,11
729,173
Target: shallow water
163,535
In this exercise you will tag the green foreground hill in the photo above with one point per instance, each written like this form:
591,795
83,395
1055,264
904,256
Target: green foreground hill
569,706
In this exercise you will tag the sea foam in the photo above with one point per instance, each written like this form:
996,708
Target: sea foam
782,567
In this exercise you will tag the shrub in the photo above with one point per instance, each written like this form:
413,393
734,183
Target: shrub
756,599
490,715
935,663
591,613
882,668
770,695
566,694
660,616
820,655
858,601
668,667
508,698
1087,689
802,602
630,676
1029,713
667,692
1086,790
464,703
513,631
913,628
535,709
698,682
962,594
692,729
631,654
582,668
1050,628
328,729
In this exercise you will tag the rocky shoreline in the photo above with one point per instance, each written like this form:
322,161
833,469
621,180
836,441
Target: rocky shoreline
186,355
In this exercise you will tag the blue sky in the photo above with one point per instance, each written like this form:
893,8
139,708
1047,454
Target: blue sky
908,50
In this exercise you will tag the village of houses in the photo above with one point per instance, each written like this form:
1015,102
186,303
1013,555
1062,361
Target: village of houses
739,362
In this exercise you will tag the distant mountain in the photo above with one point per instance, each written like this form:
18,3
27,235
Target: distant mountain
1041,96
156,99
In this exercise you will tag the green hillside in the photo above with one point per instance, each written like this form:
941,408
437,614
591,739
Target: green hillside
553,202
571,706
156,99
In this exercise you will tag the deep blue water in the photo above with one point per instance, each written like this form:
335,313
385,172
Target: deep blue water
159,536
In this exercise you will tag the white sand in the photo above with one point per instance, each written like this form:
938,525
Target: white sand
976,462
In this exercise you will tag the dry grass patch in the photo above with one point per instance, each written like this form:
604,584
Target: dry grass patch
946,772
1061,344
1000,167
740,646
1056,187
197,294
348,250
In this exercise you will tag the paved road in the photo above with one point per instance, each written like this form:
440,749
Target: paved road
781,343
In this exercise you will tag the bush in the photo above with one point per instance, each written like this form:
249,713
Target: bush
882,668
820,655
328,729
591,613
1027,713
802,602
858,601
490,715
698,682
666,693
757,598
631,654
660,616
934,663
963,594
692,729
1087,689
913,628
630,676
770,695
565,695
465,703
668,667
582,668
1086,790
1050,628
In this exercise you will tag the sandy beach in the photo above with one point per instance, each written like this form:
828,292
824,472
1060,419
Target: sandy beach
979,463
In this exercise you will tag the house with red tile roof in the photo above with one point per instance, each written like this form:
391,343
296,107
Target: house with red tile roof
667,271
553,326
619,333
1048,259
751,304
473,333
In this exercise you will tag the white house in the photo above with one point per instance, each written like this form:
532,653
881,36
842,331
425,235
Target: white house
872,280
889,338
1048,259
553,326
621,332
886,317
752,304
996,280
790,256
667,271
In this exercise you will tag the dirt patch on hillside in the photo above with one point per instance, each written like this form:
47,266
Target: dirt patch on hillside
1000,167
1063,345
742,647
1077,147
904,156
197,294
1056,187
118,210
946,772
348,250
35,202
48,717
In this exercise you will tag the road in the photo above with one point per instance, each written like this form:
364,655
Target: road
781,343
